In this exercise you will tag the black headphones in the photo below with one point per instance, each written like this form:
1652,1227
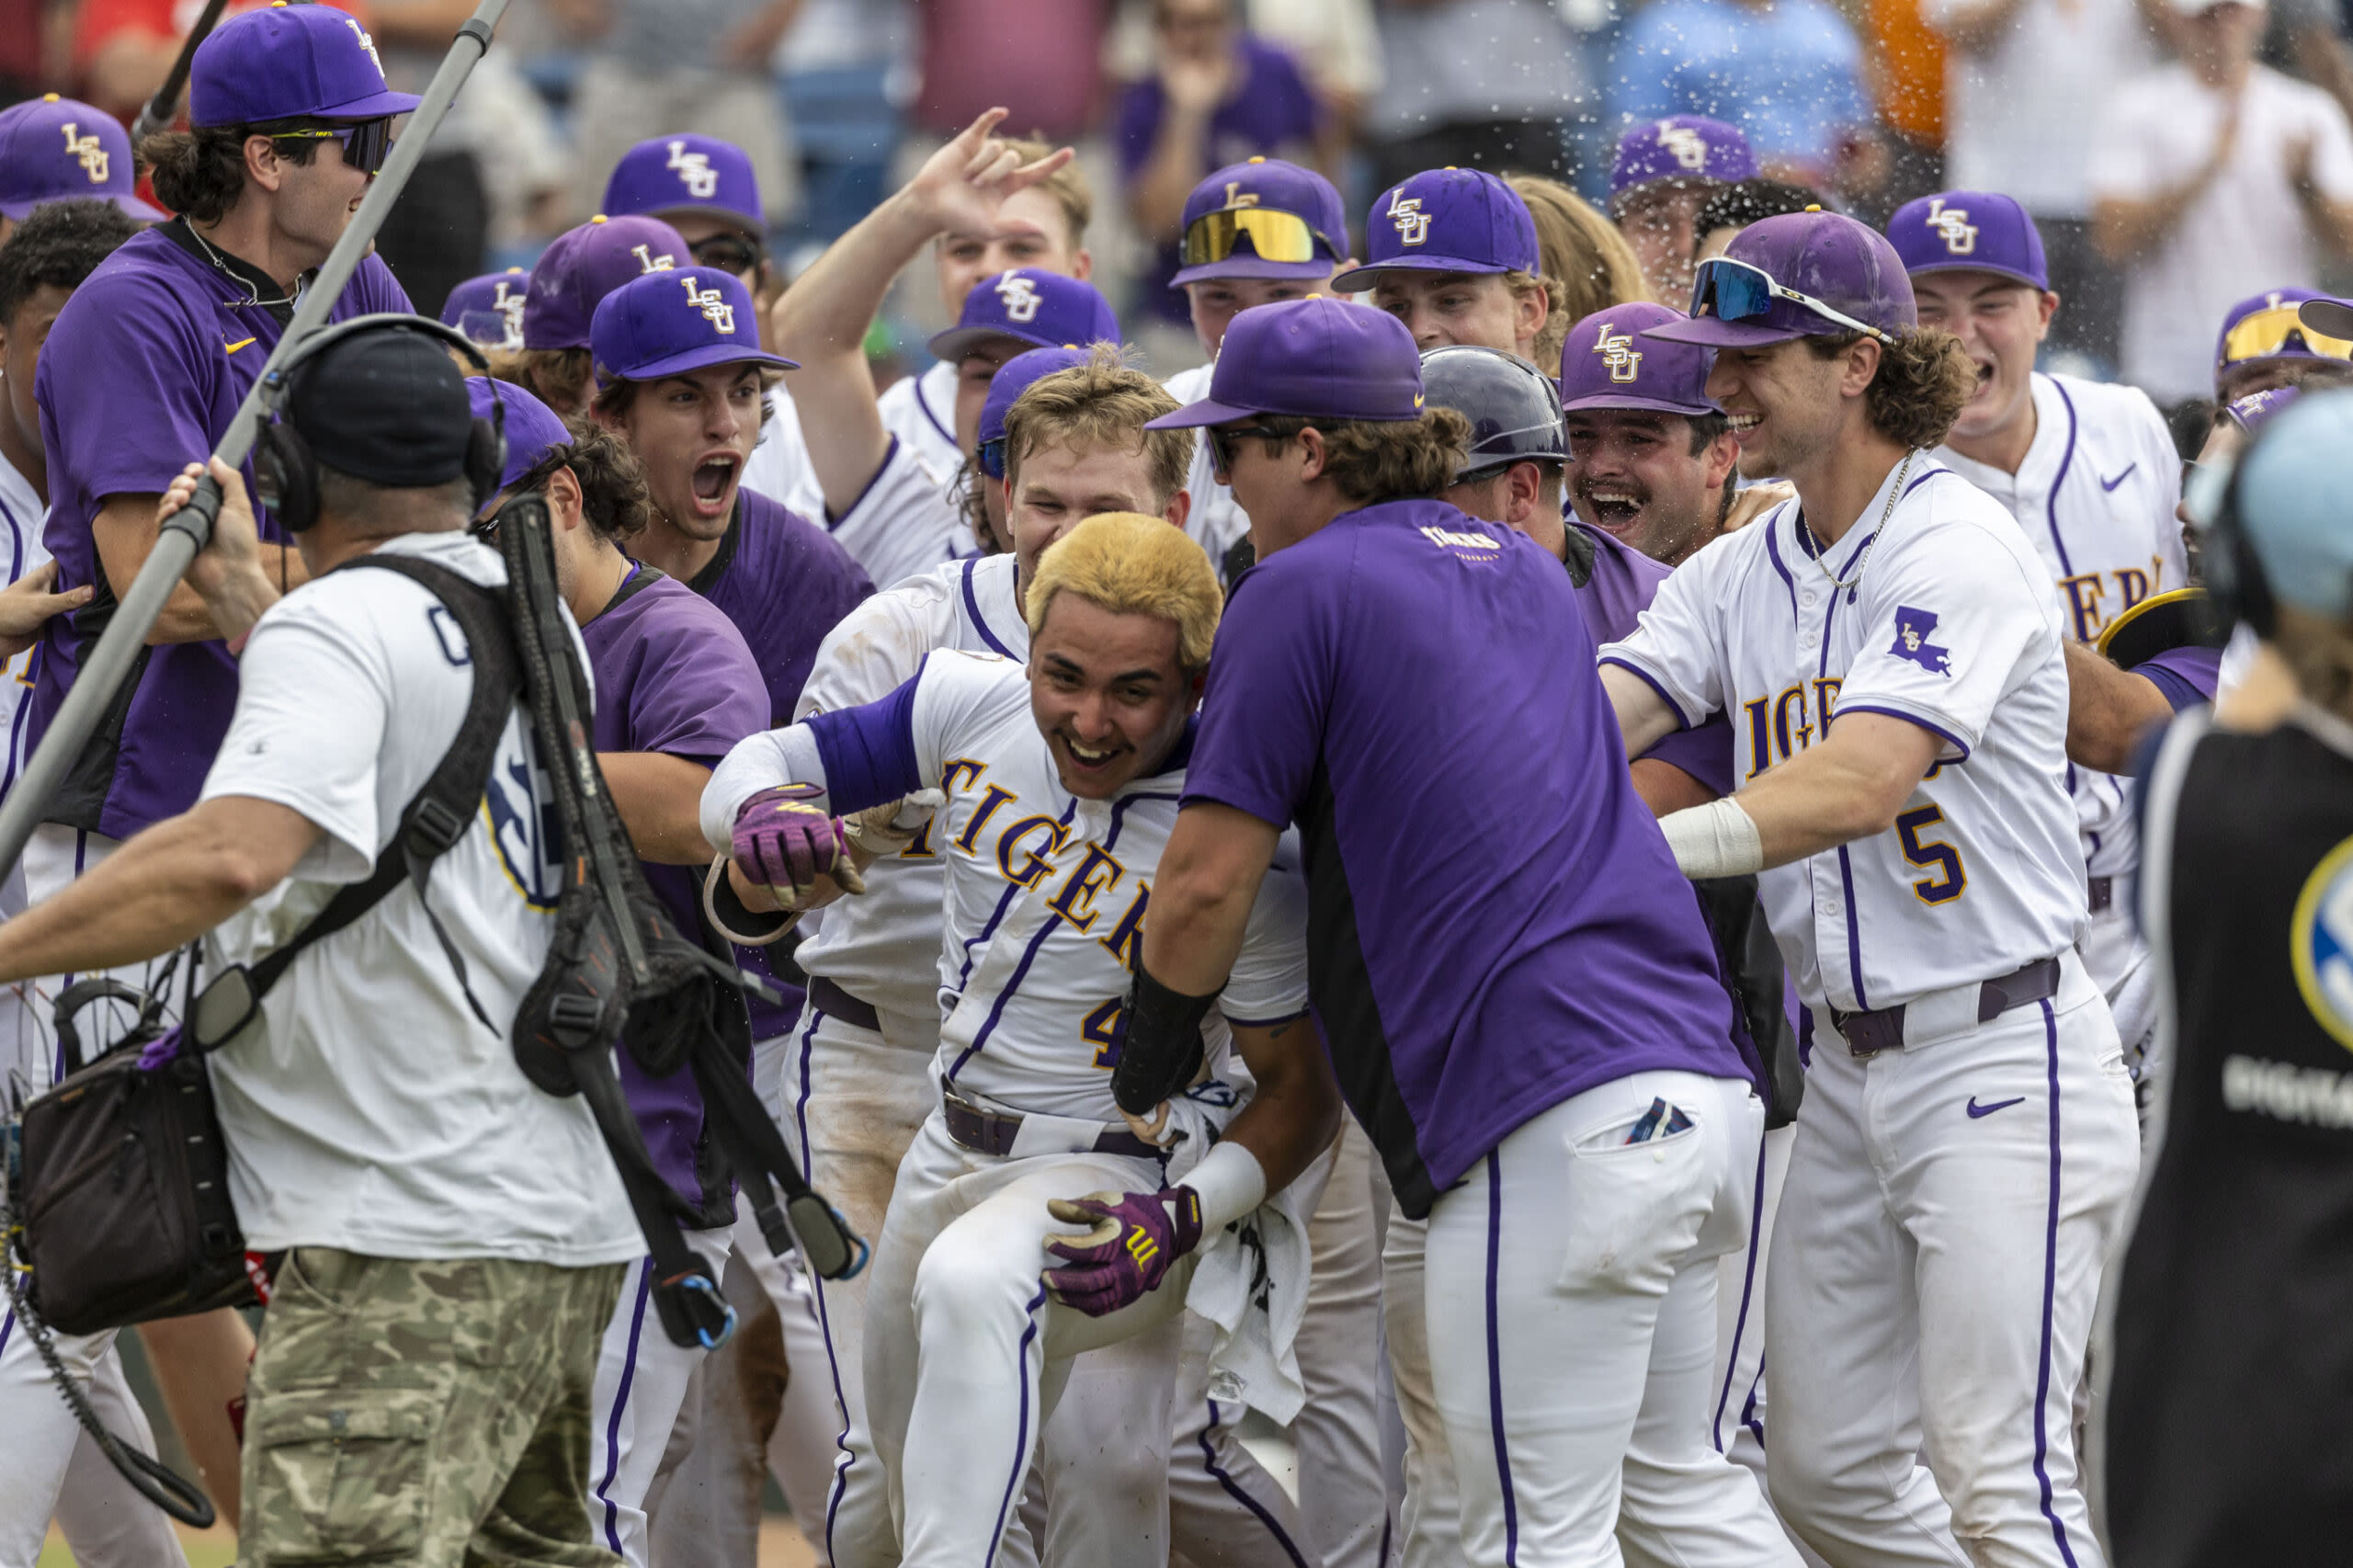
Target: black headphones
2242,594
286,474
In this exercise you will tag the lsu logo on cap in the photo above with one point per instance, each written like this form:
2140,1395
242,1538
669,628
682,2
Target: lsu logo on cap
1413,224
1953,226
365,42
712,303
87,152
694,170
1237,197
1688,147
1019,297
2321,940
646,262
1912,628
1619,355
508,300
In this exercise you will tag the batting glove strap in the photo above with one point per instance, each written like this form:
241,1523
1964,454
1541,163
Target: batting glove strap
1160,1043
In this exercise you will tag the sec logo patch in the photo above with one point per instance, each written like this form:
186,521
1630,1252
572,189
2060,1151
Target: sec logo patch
2321,936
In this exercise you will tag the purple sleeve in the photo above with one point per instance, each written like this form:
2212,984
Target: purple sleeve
869,751
1705,752
125,389
1263,710
2185,676
697,693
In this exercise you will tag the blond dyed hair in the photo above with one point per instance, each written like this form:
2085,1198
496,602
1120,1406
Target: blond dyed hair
1587,263
1104,402
1131,565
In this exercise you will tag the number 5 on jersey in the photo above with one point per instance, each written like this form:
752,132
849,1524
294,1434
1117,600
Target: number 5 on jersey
1951,880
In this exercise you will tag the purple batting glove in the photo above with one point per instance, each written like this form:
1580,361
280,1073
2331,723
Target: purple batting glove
784,843
1132,1242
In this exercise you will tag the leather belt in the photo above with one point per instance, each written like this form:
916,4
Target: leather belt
1868,1033
993,1132
836,1003
2099,893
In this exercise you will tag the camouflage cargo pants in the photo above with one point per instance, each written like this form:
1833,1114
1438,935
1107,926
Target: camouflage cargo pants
424,1413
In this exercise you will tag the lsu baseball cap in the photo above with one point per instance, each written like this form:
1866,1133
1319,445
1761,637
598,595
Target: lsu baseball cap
1262,217
671,174
1680,147
1968,231
489,309
1317,358
1044,310
1604,366
55,149
2256,410
387,407
2270,325
585,264
1800,275
532,428
667,324
2294,507
1446,221
1013,378
289,62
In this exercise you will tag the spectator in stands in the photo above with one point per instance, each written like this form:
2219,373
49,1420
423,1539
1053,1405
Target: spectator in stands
1907,75
2027,89
2212,178
1735,208
1337,45
1475,85
1040,59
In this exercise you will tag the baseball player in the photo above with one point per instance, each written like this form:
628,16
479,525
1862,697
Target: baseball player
1451,253
54,149
1508,1115
2089,472
1663,172
1048,814
1254,231
1650,457
579,267
1966,1141
2265,343
489,309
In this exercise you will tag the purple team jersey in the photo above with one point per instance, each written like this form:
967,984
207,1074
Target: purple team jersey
140,376
673,677
1613,599
785,584
1407,672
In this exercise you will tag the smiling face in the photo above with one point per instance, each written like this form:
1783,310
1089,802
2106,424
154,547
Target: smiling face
1108,692
2000,322
1474,307
1632,474
314,201
1032,232
1051,490
692,434
1784,402
1217,301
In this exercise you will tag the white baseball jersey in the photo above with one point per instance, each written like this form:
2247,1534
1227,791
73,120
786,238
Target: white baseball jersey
779,467
2096,497
22,513
1216,520
1046,893
904,522
1952,626
883,948
921,411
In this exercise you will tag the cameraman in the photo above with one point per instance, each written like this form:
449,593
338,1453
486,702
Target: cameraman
452,1238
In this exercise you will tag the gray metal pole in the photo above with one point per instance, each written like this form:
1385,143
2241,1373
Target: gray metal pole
185,531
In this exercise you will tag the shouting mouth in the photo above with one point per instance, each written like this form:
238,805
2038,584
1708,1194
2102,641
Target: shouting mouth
1614,509
714,477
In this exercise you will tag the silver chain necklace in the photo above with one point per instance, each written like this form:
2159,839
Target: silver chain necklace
1822,557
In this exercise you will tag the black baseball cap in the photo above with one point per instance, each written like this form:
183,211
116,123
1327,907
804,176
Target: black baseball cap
386,405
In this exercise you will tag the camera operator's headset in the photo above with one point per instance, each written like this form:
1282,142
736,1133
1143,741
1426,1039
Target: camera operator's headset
286,473
2234,578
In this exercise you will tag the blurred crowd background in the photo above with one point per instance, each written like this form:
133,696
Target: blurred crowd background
1871,102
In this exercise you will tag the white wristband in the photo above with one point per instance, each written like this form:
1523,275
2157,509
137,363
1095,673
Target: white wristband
1717,839
1230,1182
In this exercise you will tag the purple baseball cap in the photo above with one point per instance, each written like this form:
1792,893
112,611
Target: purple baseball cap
1446,221
489,309
1044,310
1680,147
1968,231
585,264
1831,258
2256,410
1266,185
532,427
56,149
289,62
1603,367
672,173
1317,358
667,324
1012,379
2280,335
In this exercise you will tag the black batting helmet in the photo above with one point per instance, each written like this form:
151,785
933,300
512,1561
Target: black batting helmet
1513,408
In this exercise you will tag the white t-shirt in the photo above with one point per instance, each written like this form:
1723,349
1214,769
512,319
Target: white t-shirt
2246,232
1216,520
2022,115
22,513
921,411
905,522
1954,627
779,467
368,1108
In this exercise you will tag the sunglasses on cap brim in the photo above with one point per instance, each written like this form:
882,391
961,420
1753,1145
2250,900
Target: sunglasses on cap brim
1734,291
365,145
1275,235
2267,333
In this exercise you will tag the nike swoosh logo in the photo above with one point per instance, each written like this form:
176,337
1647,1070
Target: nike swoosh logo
1976,1110
2112,484
241,343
